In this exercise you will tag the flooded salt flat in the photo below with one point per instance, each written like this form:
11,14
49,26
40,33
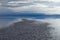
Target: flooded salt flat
50,32
55,23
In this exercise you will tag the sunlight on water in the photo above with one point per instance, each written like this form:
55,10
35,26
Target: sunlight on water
55,23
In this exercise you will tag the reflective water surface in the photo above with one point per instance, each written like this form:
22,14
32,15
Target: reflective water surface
30,29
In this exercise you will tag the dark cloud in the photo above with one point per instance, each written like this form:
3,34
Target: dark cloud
31,2
11,0
42,2
4,10
18,5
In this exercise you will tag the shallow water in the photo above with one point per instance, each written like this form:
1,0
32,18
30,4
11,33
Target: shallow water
54,24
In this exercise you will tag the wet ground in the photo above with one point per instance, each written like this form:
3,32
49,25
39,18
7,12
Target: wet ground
27,30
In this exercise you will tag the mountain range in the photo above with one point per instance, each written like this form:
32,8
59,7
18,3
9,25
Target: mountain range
35,15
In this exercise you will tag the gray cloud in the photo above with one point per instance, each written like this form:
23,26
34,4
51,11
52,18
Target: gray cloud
29,2
12,0
17,5
30,6
5,10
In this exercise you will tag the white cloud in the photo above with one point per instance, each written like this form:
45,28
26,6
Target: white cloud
55,0
52,0
38,6
18,2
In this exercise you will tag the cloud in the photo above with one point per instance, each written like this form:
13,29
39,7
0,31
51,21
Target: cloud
17,4
4,10
23,3
36,6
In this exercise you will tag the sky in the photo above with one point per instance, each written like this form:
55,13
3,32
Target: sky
49,7
34,6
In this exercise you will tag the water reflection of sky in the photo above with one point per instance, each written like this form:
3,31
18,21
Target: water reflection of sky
55,23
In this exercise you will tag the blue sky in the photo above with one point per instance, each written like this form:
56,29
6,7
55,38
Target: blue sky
35,6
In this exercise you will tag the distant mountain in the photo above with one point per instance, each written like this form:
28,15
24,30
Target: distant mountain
26,30
26,15
35,15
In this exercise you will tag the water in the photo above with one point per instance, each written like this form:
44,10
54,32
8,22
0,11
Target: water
54,23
